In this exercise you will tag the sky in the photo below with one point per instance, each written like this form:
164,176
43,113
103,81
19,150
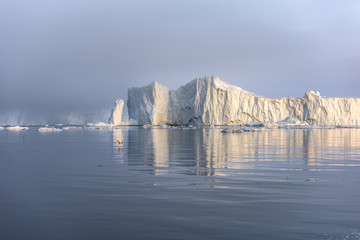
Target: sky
62,56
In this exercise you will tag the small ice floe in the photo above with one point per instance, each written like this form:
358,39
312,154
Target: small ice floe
17,128
342,126
254,124
291,122
164,126
232,130
49,129
251,129
99,125
147,126
270,125
188,127
72,128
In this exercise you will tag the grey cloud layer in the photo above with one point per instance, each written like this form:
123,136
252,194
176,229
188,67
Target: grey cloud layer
85,54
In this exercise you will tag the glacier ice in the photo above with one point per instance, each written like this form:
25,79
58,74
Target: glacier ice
17,128
209,101
116,114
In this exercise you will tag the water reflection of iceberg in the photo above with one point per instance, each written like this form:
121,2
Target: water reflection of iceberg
118,143
210,152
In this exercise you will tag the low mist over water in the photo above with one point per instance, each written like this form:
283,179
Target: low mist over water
154,183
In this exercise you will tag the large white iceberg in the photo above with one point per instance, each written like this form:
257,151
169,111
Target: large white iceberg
209,101
116,114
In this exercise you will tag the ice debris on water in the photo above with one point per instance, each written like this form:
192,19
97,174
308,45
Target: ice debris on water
291,122
49,129
72,128
17,128
288,122
229,130
99,125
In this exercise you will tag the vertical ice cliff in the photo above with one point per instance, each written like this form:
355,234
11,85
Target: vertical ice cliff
149,104
209,101
116,114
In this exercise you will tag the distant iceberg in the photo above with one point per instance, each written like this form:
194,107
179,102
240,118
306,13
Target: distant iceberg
209,101
17,128
99,125
72,128
49,129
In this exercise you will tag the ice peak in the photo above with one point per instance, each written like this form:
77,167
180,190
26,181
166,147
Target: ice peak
216,82
312,94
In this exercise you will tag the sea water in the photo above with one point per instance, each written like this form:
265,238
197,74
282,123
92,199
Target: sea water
166,183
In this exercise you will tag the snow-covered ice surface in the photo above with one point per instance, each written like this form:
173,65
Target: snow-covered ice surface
49,129
17,128
209,101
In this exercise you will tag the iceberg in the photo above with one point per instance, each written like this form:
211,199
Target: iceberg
291,122
98,125
210,101
1,128
116,114
49,129
72,128
17,128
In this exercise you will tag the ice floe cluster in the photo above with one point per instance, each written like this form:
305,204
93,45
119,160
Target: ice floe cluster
288,122
49,129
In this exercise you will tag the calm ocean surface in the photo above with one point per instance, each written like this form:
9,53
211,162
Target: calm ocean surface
180,184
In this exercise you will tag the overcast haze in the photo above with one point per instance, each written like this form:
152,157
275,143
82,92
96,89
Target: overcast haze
81,55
